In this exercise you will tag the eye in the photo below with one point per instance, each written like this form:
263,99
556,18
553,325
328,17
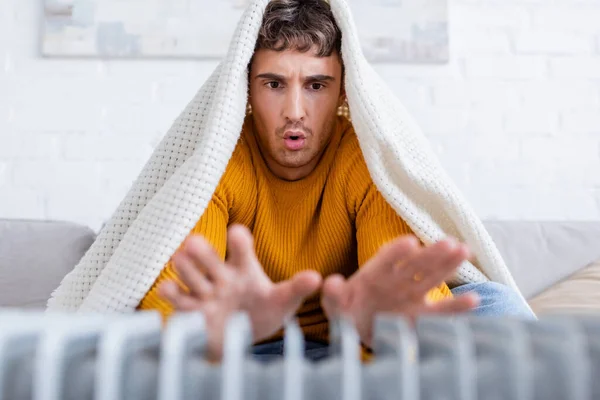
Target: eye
273,84
316,86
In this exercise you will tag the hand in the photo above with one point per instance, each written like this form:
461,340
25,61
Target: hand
219,288
397,280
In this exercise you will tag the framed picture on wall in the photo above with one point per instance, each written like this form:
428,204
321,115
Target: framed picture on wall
403,31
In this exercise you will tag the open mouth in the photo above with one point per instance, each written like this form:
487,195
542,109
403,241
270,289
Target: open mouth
294,135
294,140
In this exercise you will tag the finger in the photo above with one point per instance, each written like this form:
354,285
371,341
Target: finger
437,273
291,293
463,303
205,258
428,258
334,295
191,276
180,301
392,253
240,247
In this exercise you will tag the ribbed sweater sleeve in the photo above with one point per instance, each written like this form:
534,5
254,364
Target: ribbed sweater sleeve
376,221
213,226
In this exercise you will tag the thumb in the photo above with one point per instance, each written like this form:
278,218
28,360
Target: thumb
291,293
334,296
240,246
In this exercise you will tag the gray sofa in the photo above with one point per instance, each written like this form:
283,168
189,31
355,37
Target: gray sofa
35,256
554,263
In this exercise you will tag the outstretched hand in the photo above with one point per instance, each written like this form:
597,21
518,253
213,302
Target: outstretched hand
219,289
397,280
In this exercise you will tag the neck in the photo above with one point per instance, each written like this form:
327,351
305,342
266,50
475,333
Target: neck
292,173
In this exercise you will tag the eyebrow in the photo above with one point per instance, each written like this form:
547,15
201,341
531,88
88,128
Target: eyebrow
311,78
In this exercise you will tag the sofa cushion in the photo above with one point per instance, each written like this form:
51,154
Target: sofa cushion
542,253
578,294
35,256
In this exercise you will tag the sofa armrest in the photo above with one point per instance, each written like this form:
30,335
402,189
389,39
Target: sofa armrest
34,258
577,294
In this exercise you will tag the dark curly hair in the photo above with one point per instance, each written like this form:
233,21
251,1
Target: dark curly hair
299,25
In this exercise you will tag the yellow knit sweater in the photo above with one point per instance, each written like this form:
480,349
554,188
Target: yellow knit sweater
332,221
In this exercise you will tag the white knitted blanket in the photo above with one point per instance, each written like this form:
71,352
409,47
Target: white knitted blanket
176,184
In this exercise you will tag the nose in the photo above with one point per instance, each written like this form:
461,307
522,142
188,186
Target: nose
294,108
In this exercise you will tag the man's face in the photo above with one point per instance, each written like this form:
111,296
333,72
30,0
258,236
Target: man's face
294,98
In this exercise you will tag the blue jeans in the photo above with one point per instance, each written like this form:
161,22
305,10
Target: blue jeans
314,351
494,300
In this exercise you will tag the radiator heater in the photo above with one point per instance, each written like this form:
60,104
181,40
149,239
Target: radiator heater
55,356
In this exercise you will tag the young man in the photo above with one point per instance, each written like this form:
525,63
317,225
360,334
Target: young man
297,182
292,209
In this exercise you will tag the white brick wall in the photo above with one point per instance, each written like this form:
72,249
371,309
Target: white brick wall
514,116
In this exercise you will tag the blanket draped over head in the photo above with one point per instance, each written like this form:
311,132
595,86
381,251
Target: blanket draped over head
175,186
